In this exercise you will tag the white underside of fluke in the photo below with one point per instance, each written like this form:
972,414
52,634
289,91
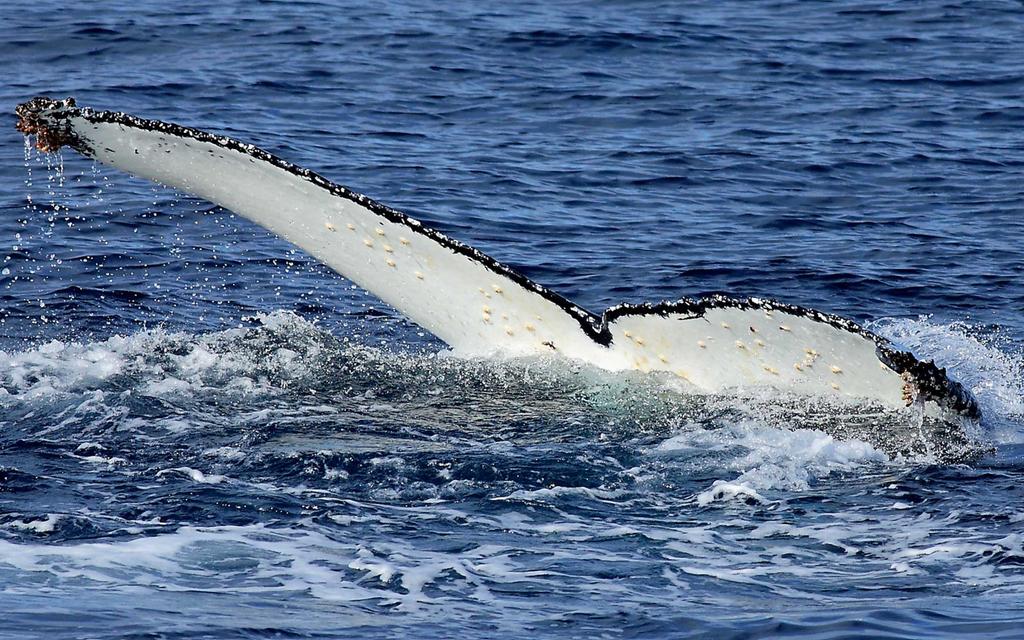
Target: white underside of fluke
732,347
480,307
471,307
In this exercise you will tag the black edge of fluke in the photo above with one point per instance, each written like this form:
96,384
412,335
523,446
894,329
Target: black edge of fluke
49,121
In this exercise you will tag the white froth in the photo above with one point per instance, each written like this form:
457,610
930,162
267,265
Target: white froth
551,494
722,491
227,454
193,474
111,461
166,363
988,363
45,525
764,459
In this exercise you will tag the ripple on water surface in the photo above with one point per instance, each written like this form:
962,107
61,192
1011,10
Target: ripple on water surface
327,471
276,461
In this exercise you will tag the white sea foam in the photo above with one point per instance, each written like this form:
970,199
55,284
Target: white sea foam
43,526
193,474
766,458
56,366
227,454
166,363
725,491
989,364
523,553
110,461
265,559
550,494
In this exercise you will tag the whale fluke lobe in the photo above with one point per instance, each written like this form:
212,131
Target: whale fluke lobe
40,117
481,307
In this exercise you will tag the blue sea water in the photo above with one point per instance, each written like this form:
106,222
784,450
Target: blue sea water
204,434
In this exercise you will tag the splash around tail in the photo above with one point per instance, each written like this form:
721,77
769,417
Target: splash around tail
481,307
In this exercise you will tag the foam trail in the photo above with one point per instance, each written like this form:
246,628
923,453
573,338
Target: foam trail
481,307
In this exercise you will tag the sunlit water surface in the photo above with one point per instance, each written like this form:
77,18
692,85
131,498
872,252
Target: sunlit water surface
203,434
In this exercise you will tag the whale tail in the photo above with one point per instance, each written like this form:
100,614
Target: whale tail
480,306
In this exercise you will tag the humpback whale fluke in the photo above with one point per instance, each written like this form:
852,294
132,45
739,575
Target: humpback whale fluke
481,307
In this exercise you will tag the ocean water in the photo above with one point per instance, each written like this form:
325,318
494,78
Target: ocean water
204,434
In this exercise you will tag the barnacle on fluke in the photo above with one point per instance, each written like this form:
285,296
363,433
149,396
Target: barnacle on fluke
51,134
